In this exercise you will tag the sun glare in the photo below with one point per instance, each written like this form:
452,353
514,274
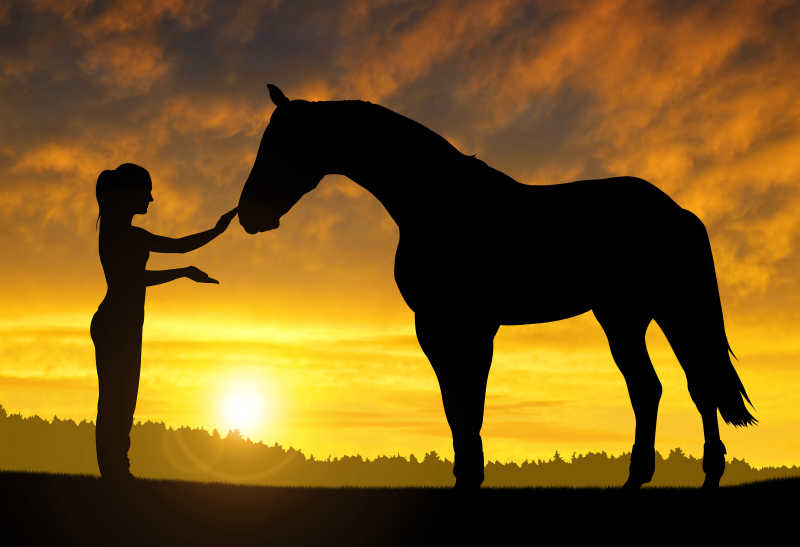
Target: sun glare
243,408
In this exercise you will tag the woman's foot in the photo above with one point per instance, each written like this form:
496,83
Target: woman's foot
120,477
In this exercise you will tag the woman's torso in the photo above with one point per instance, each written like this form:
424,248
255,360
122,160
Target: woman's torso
123,256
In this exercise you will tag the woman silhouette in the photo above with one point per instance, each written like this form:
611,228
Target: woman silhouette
117,325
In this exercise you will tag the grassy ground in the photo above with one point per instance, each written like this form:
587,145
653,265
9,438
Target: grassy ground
43,509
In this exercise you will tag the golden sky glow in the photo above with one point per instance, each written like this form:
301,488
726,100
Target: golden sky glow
699,99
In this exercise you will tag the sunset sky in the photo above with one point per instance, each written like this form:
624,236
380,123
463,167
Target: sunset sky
700,98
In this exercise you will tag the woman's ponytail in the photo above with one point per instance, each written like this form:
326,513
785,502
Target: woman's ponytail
107,182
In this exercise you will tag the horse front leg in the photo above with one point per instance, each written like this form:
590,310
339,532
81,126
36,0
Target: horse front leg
461,355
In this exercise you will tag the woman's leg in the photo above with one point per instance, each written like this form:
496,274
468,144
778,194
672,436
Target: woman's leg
118,363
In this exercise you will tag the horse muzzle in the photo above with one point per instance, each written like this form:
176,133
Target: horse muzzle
254,227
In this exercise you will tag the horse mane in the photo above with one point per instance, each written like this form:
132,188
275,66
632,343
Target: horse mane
409,136
410,133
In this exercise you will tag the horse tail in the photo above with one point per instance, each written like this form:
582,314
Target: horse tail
691,318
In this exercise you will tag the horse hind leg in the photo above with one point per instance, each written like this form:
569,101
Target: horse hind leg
694,362
626,338
698,363
691,319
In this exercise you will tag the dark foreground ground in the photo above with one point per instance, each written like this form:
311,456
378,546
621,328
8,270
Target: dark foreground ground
55,510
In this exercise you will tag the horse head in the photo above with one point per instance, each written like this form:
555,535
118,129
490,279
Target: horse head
283,170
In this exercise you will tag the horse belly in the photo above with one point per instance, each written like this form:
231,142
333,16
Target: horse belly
527,309
541,298
510,292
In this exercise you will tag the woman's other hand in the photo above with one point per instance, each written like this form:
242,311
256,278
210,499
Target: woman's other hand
198,275
225,220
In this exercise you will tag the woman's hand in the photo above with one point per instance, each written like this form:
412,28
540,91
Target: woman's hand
225,220
198,275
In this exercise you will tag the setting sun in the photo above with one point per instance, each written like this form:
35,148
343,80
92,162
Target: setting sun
243,408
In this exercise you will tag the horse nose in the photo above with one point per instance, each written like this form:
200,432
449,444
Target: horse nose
255,217
248,219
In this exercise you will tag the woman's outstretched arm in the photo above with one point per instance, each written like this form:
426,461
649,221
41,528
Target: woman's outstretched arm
157,277
162,244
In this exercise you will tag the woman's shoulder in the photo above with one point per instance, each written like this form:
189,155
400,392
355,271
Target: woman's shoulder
130,237
139,233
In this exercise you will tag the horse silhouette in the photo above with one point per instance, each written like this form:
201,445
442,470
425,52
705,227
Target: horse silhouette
478,250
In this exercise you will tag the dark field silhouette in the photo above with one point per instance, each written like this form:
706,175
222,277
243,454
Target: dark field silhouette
197,455
50,510
479,250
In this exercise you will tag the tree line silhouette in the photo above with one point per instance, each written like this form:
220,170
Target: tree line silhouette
64,446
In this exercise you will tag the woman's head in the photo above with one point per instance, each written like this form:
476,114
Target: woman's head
124,191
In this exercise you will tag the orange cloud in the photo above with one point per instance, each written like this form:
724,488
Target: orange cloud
130,15
218,116
243,26
64,8
126,66
378,64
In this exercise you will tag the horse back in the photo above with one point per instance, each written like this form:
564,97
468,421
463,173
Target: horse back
549,249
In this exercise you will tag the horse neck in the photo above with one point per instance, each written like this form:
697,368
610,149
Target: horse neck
407,167
393,189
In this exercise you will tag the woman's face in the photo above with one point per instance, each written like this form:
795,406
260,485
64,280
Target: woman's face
142,197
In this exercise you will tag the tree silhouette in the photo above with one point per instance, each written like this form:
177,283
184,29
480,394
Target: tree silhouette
195,454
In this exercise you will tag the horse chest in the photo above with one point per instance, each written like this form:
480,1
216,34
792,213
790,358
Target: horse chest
431,274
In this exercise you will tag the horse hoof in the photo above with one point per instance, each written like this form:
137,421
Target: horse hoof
642,467
632,485
468,485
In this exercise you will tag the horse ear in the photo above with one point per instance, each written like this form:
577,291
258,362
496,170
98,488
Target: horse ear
277,95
